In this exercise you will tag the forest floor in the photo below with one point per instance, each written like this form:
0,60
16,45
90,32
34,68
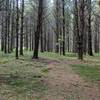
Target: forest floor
51,77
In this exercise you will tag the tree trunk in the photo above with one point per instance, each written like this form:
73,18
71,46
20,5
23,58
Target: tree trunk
89,29
63,1
38,31
21,34
81,29
17,28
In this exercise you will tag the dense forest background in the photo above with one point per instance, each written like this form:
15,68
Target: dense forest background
49,49
50,25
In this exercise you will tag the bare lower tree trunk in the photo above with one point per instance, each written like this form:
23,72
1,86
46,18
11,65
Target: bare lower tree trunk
2,35
76,27
89,28
12,27
38,31
21,34
17,28
63,2
57,26
81,29
42,49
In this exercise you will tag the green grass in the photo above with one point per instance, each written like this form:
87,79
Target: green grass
88,71
45,70
20,79
57,56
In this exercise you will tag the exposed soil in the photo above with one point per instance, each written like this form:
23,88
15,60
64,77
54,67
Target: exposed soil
65,84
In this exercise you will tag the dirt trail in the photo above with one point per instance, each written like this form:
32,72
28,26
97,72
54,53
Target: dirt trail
65,84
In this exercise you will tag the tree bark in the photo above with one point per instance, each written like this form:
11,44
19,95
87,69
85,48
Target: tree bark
38,31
